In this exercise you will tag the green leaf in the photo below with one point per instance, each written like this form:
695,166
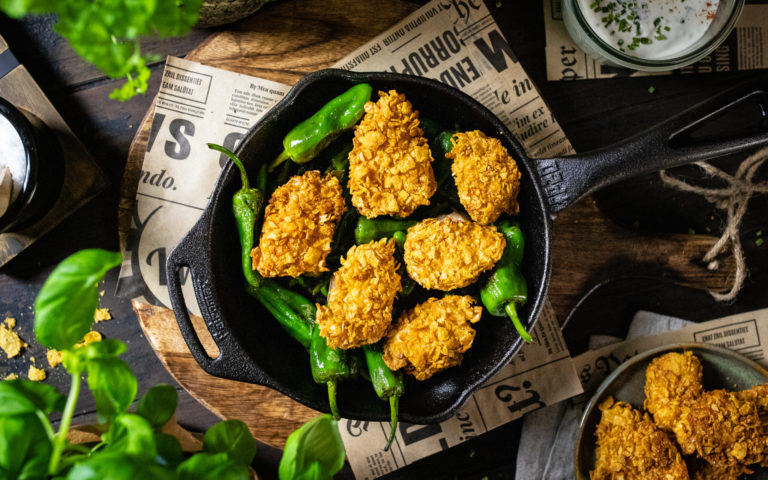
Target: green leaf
158,405
211,466
169,451
134,86
25,396
24,448
76,360
113,386
175,18
314,451
133,435
233,438
65,305
113,465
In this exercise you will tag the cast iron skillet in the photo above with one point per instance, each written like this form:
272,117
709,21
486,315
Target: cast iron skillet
253,348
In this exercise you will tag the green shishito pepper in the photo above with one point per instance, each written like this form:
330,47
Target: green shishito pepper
370,229
388,385
442,145
312,135
247,204
506,288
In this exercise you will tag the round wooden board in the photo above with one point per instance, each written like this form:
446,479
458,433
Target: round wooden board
291,39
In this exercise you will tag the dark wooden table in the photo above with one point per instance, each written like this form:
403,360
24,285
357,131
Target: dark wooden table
592,113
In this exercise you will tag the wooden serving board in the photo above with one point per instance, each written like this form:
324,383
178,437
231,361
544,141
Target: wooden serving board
291,39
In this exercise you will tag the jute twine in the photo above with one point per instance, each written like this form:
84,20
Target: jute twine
733,198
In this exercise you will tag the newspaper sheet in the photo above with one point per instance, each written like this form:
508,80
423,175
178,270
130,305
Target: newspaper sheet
457,43
746,48
743,333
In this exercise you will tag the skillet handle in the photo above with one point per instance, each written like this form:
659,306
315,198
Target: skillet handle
568,179
232,362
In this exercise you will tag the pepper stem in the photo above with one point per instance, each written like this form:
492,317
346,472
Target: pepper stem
394,404
280,159
512,313
332,398
235,160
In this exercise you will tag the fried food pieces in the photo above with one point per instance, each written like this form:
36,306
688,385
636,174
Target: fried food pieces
390,165
432,336
446,254
722,429
360,299
299,222
671,381
630,446
487,177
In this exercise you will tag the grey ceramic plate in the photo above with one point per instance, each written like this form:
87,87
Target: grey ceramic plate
723,368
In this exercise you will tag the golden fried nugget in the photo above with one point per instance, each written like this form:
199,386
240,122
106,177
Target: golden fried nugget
630,446
486,176
390,165
363,289
671,381
299,222
446,254
432,336
722,429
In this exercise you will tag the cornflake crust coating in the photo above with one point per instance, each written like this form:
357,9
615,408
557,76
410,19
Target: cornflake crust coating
486,176
630,446
672,381
299,222
390,165
432,336
446,254
723,429
363,289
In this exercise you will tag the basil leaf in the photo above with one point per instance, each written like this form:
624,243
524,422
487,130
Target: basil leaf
24,447
133,435
211,466
76,359
169,451
112,465
233,438
65,305
314,451
113,386
25,396
158,405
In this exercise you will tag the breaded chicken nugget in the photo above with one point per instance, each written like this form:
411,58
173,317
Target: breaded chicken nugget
446,254
360,299
671,381
390,165
299,222
630,446
486,176
722,429
432,336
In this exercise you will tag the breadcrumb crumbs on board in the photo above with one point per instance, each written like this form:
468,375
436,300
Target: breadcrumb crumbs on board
10,341
364,288
36,374
432,336
447,254
631,447
11,376
54,356
298,228
101,315
487,177
390,165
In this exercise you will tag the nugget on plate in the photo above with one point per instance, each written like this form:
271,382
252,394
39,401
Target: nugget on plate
445,254
432,336
299,222
721,428
487,177
361,295
630,446
672,381
390,165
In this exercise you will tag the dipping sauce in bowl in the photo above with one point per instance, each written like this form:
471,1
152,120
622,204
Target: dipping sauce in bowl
651,35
